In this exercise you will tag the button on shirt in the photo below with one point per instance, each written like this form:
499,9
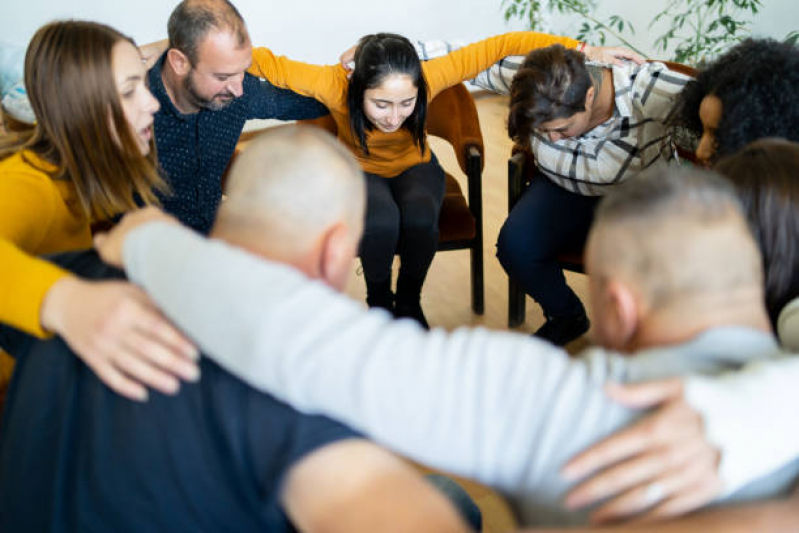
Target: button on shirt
194,150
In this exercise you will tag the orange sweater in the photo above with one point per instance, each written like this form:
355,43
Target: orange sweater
392,153
38,215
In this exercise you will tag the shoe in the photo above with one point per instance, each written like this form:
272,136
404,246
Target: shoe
561,330
408,304
380,295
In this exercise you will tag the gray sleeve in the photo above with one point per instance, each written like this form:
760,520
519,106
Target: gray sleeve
474,402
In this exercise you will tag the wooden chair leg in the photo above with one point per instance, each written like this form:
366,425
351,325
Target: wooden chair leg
516,296
516,304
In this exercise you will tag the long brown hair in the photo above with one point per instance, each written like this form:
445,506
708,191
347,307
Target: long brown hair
80,125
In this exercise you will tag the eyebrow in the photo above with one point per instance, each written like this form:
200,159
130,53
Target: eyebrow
383,101
135,77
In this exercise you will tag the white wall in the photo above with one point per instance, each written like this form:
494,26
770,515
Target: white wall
317,30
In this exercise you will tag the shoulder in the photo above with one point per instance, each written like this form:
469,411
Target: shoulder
26,174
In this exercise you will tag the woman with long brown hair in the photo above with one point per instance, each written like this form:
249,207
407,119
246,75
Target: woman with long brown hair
89,156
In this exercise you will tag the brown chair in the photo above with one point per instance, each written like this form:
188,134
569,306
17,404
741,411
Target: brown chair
452,116
521,171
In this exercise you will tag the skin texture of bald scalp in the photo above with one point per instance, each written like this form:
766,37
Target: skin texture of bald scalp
695,263
297,196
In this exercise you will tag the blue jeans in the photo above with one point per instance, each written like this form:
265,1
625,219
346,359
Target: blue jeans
547,220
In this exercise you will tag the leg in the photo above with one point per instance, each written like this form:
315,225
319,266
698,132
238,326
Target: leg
381,232
546,221
419,192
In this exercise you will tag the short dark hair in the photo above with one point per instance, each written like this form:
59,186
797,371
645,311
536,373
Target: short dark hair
551,83
766,176
376,57
191,21
756,82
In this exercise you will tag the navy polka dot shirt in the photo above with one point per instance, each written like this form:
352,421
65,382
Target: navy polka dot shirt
194,150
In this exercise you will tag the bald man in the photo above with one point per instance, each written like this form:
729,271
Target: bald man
219,455
676,287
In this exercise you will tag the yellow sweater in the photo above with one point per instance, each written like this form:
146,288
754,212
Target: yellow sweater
38,215
392,153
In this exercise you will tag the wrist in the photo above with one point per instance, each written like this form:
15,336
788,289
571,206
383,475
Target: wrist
55,301
584,48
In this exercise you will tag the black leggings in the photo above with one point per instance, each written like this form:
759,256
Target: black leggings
402,216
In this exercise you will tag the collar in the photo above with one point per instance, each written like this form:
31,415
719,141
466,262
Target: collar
159,91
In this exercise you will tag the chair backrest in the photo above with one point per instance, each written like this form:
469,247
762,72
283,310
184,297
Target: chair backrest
451,115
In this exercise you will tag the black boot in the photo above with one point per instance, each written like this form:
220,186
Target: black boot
380,295
409,291
561,330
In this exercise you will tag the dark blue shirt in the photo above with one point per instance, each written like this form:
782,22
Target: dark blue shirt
194,150
74,456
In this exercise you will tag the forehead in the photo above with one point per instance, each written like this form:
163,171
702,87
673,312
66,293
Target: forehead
710,110
221,51
394,87
127,61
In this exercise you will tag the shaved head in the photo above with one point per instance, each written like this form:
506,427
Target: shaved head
289,186
678,243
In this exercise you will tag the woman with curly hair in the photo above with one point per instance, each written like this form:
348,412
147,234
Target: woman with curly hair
748,93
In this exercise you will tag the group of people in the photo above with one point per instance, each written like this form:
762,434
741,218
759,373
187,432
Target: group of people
690,272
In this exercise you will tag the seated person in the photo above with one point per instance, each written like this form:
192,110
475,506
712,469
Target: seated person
75,456
590,127
500,408
744,95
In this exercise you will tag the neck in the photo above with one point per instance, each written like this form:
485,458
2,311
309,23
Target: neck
173,83
684,318
604,95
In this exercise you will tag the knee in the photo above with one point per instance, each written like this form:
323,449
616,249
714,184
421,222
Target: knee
517,248
383,223
420,215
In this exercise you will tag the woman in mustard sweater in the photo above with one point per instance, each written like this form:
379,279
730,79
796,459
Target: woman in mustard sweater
380,113
88,157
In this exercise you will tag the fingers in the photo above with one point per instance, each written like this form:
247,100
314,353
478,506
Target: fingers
693,497
623,53
640,395
116,380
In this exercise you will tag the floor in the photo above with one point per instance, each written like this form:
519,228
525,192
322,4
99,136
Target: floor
446,297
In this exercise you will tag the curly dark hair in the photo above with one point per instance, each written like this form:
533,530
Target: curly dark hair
765,176
551,84
757,83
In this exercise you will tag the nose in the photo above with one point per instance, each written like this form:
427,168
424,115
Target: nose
236,85
151,103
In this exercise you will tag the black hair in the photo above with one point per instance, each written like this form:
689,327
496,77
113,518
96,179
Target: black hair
376,57
766,176
756,82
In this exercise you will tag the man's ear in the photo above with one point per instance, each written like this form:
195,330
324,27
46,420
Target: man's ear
590,94
337,253
178,61
623,308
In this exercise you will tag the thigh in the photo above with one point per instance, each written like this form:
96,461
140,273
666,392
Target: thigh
420,188
381,207
548,220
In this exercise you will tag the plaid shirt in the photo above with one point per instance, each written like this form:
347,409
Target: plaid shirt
633,139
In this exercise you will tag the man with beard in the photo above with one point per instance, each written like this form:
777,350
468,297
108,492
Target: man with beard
206,97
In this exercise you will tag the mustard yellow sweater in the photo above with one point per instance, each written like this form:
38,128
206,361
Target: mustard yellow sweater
38,215
392,153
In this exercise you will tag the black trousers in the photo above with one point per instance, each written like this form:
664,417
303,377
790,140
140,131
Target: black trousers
402,216
548,220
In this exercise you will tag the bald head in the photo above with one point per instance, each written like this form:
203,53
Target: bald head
678,241
288,188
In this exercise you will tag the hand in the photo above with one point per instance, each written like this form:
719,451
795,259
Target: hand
347,59
110,245
613,55
151,52
661,466
117,331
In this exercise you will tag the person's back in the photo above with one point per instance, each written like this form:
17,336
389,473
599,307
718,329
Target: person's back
76,456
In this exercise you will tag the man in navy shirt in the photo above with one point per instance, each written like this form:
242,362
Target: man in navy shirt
206,96
218,456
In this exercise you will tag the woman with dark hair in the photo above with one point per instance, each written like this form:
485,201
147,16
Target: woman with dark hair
89,156
766,175
748,93
380,114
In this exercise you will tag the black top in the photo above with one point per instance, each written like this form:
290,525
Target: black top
194,150
75,456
